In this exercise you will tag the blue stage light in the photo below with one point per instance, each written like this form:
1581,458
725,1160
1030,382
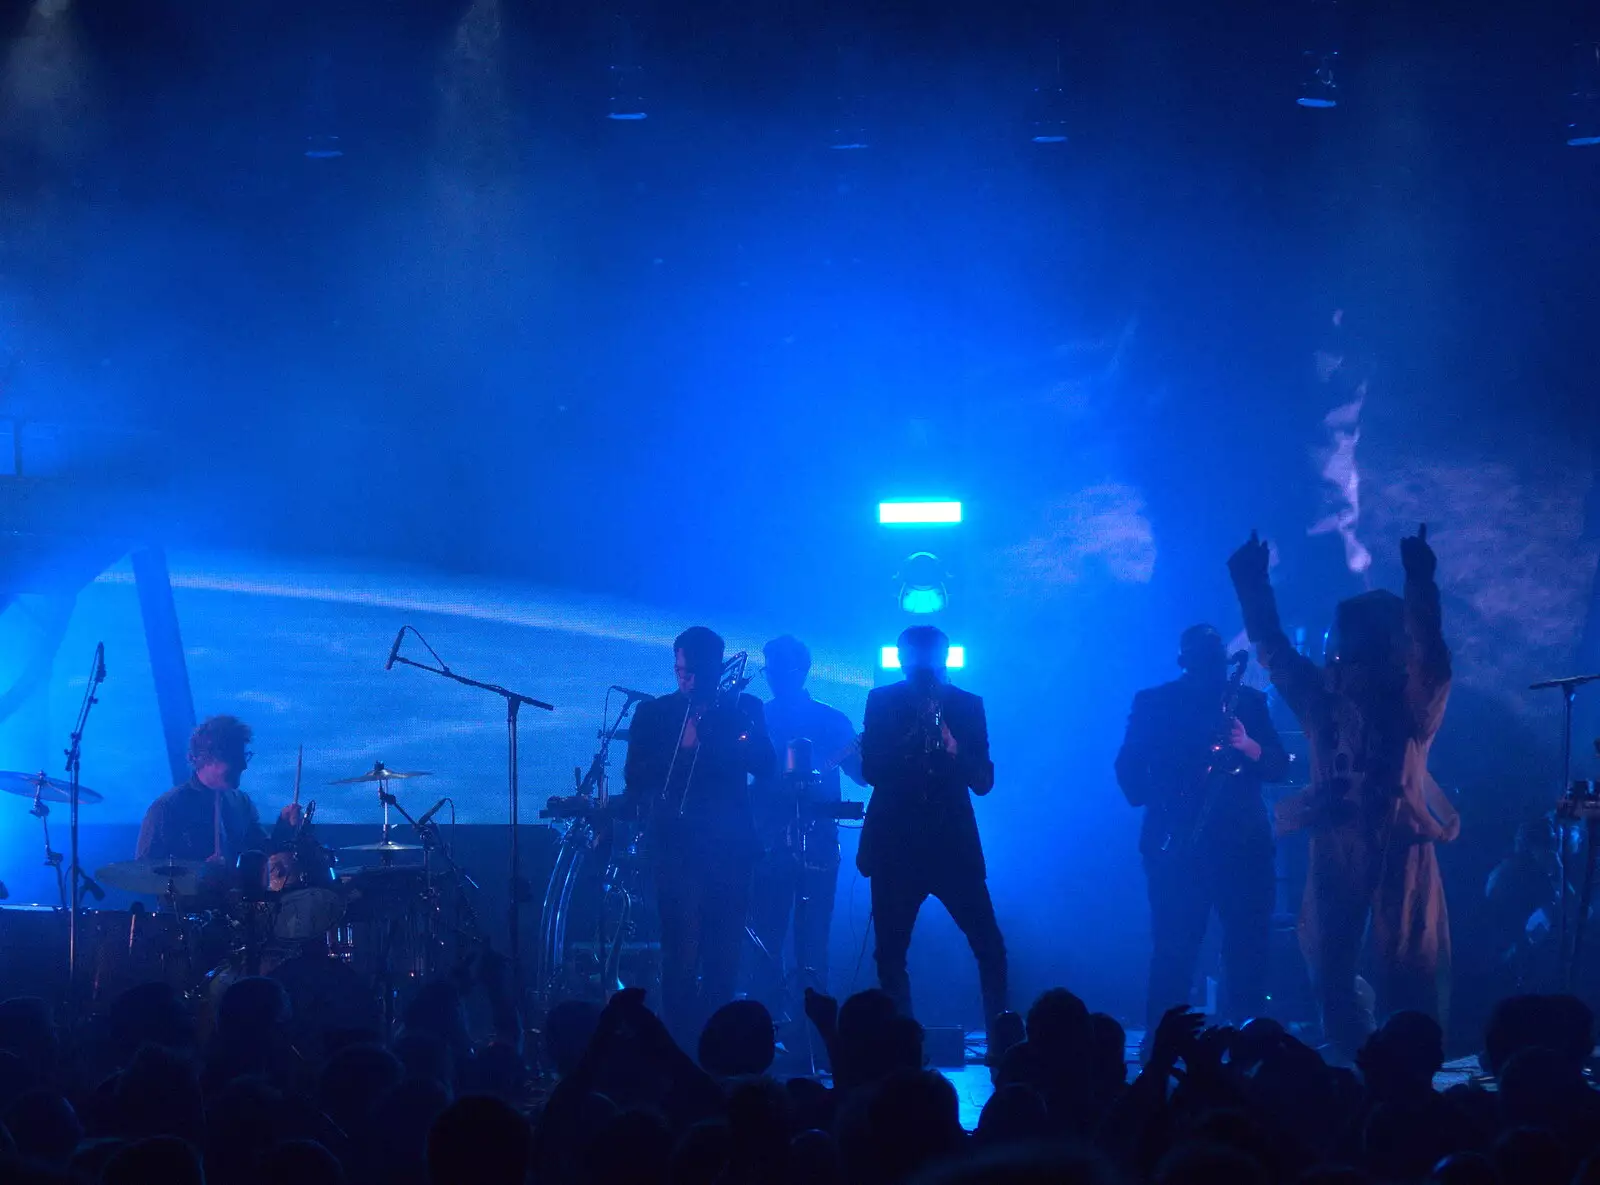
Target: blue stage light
889,658
919,514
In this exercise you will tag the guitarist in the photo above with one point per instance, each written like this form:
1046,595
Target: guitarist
924,745
789,881
1199,858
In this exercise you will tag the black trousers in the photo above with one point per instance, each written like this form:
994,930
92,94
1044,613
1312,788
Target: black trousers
897,897
703,903
787,891
1237,879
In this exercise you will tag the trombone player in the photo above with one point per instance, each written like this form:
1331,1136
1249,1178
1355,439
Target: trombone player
691,756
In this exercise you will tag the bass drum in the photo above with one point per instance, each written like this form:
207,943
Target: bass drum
598,927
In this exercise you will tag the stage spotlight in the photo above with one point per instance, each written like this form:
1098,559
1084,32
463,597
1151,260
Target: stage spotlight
849,131
626,93
1047,118
922,584
1319,83
1583,104
323,147
919,514
626,103
1320,88
889,658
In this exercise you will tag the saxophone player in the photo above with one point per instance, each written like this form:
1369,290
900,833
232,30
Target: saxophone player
1197,768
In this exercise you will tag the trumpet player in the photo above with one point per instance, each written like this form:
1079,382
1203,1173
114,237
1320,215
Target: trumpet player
1195,754
924,746
691,756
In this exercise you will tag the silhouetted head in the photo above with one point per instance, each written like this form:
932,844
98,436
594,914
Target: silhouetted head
1400,1059
479,1141
1369,633
300,1162
354,1080
150,1014
1014,1114
1531,1156
924,653
44,1126
219,751
788,662
697,661
1209,1164
166,1159
1561,1024
1058,1024
1465,1168
739,1039
1202,654
252,1010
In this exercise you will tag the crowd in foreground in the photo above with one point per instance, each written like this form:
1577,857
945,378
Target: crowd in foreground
138,1100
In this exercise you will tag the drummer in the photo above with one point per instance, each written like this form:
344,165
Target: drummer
209,818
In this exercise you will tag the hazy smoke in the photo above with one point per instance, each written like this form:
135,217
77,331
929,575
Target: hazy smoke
1100,528
1336,461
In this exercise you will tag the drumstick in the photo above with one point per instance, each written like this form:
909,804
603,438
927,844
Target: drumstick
299,759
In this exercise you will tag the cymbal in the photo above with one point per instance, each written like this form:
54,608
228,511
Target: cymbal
380,773
152,878
385,846
46,788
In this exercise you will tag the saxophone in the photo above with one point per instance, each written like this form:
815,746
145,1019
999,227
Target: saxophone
1222,760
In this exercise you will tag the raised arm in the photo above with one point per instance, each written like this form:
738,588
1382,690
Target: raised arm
1427,656
1294,675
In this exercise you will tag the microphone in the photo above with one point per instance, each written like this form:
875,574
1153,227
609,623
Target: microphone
433,810
100,662
91,887
394,651
633,696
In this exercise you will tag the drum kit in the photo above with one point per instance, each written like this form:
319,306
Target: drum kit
389,916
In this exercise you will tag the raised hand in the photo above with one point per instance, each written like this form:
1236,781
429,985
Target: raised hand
1252,560
1175,1034
821,1010
1417,557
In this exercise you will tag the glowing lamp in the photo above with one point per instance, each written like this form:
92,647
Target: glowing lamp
890,658
918,514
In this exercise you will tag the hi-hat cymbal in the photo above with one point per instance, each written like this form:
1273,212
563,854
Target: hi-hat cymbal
385,846
380,773
46,788
152,878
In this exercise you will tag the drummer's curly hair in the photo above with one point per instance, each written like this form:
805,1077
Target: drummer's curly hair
219,738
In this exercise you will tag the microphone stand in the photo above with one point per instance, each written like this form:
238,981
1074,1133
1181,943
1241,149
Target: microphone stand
515,701
74,753
1569,694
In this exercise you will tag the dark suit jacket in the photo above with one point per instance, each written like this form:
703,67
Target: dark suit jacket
182,824
1164,755
920,817
716,815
